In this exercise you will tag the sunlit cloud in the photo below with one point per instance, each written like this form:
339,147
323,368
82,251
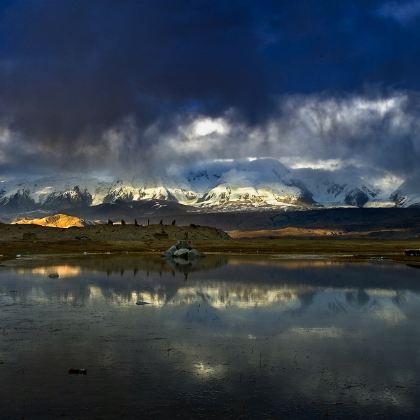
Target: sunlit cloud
205,126
376,139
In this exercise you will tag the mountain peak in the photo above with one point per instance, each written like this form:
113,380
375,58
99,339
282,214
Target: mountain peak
243,184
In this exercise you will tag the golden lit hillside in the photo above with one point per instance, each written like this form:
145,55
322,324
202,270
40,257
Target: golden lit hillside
57,220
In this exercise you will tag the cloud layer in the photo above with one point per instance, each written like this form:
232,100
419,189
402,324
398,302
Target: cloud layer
312,131
136,87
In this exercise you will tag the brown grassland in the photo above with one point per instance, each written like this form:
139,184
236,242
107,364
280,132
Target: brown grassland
38,240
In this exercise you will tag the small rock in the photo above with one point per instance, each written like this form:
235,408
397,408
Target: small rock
170,251
73,371
182,253
53,276
142,302
182,249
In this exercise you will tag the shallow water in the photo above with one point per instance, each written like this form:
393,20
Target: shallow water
227,337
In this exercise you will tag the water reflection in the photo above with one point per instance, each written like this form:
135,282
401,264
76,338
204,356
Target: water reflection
62,270
255,338
117,263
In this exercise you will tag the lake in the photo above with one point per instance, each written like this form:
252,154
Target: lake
226,337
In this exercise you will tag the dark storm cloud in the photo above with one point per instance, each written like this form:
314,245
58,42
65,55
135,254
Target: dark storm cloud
402,12
369,133
102,82
76,65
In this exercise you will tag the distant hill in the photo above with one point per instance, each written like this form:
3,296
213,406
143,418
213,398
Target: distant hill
57,220
339,218
395,222
104,232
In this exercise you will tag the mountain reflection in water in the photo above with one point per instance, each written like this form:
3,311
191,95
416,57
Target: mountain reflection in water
223,337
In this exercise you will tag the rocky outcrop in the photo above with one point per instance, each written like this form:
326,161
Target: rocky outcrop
357,198
182,249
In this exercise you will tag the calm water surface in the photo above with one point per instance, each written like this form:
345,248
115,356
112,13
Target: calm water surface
227,338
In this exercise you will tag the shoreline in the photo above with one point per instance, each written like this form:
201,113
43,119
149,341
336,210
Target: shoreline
336,250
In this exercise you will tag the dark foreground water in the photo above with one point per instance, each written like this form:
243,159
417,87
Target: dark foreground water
229,338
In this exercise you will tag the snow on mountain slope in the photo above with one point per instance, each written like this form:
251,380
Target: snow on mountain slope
247,184
337,189
239,198
180,195
408,194
50,192
217,185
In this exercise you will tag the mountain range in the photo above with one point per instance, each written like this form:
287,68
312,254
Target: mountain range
218,186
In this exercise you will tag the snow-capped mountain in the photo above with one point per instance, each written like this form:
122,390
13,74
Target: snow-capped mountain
215,186
337,189
408,194
260,183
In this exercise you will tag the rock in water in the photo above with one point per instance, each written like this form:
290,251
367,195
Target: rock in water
182,249
170,251
194,253
181,253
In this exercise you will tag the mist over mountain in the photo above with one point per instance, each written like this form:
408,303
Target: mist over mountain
228,185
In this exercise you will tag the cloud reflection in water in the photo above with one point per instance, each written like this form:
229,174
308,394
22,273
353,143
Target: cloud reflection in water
287,333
